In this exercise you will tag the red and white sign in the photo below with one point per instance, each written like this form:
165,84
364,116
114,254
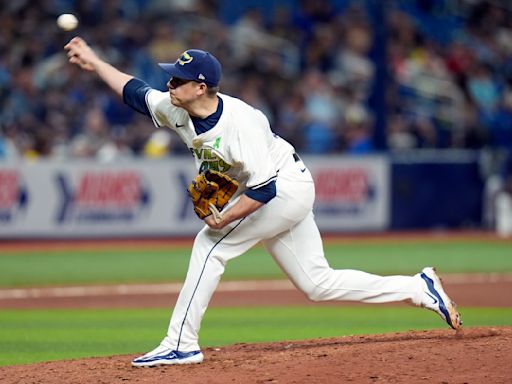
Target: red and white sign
352,193
149,198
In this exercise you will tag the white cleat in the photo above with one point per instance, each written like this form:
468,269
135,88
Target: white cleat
436,299
166,356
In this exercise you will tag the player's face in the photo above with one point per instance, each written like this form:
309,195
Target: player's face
182,92
175,82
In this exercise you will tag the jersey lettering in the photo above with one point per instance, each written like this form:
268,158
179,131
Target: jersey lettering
204,153
223,166
217,165
209,160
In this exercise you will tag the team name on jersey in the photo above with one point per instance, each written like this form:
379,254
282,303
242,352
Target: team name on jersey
209,160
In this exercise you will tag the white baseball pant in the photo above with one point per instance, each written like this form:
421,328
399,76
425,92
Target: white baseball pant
287,229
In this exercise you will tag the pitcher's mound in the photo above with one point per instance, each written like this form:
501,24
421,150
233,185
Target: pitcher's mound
474,355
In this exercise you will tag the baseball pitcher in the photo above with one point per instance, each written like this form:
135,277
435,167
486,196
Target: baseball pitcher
251,187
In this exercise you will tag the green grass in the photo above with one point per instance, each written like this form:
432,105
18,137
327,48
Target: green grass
157,265
39,335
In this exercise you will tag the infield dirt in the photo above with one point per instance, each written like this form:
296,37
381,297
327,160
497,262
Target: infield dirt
473,355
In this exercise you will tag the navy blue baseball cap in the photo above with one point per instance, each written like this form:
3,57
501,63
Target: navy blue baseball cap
196,65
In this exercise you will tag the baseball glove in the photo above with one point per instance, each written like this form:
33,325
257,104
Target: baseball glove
210,191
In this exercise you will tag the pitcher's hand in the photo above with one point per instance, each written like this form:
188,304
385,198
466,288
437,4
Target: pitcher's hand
81,54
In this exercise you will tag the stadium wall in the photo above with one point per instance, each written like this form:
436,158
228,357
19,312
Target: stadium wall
148,198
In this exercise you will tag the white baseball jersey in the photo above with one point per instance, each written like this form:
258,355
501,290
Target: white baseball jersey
242,145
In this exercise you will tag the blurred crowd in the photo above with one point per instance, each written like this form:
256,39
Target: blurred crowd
311,66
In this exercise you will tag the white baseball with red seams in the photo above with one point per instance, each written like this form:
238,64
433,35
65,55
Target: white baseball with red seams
67,21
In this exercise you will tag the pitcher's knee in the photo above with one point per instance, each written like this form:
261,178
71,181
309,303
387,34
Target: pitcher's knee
314,292
317,288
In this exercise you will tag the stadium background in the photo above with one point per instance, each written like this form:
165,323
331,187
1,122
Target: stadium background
426,85
407,103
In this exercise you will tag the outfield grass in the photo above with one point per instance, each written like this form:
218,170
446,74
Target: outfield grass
39,335
158,265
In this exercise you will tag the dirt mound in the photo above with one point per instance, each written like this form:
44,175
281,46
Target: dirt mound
474,355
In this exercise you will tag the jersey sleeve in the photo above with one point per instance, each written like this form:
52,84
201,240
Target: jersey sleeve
263,194
162,112
134,95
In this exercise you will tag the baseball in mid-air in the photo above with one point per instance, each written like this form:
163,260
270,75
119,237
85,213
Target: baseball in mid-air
67,21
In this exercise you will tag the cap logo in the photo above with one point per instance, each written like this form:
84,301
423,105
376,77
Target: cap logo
185,58
201,77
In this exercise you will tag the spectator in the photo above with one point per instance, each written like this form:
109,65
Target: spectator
322,109
94,138
306,61
503,201
399,136
8,148
484,91
357,135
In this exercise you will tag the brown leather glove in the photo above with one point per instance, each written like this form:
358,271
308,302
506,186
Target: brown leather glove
210,191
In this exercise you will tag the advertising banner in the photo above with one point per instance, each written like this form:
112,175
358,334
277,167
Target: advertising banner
149,198
84,199
352,194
